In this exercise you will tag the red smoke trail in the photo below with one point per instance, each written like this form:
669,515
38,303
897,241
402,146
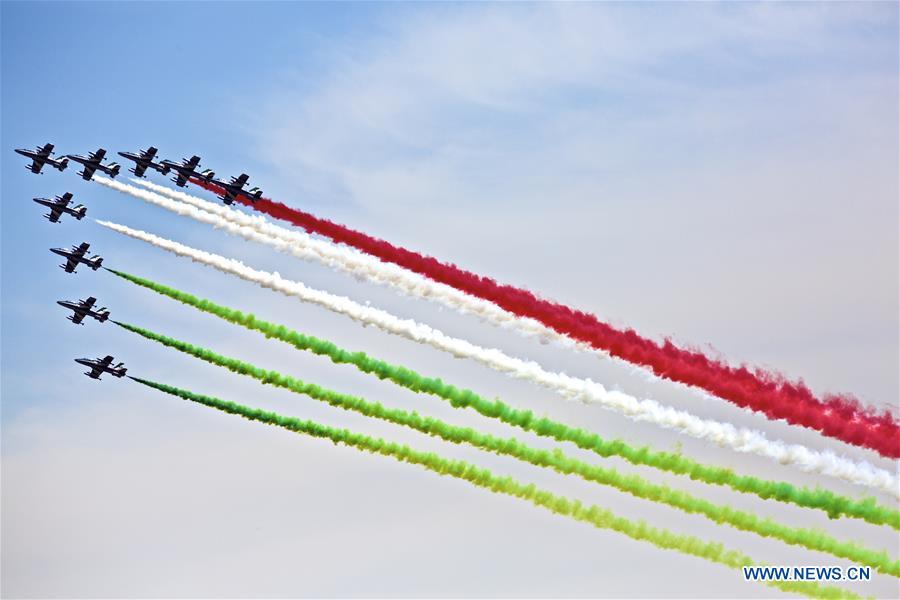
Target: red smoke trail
838,416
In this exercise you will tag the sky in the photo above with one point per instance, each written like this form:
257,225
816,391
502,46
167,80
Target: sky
722,174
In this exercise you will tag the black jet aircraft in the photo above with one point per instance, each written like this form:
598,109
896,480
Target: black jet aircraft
76,256
60,205
40,156
93,162
84,308
234,188
143,160
99,366
186,170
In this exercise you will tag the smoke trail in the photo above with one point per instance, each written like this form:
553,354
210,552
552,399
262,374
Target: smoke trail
594,515
833,504
840,417
722,434
556,460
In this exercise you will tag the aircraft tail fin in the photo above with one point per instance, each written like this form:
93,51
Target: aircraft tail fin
79,214
97,263
63,163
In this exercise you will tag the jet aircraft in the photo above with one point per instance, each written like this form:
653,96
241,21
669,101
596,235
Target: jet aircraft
60,205
187,169
84,308
143,159
99,366
76,256
93,162
235,187
40,156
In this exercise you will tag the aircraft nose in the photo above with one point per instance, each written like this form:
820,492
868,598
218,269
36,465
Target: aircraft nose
60,302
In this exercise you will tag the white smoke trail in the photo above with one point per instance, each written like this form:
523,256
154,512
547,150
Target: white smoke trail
721,434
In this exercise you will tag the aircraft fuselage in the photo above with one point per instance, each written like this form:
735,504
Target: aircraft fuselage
79,309
94,262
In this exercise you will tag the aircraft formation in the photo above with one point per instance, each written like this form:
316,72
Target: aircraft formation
184,171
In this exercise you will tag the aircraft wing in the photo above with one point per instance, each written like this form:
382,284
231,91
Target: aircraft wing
87,172
96,370
71,263
77,318
139,169
192,162
54,214
36,165
98,155
46,150
240,181
88,302
180,180
227,195
107,360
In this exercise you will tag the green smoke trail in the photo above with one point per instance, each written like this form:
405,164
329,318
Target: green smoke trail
833,504
594,515
634,485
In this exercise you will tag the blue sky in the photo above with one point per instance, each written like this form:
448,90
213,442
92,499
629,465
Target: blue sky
725,174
